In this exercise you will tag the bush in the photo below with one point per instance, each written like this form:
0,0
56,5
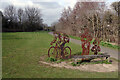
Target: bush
51,59
73,64
58,61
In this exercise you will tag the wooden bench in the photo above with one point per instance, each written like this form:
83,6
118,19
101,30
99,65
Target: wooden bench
105,55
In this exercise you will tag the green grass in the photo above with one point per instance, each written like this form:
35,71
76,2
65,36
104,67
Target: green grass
106,44
21,52
74,37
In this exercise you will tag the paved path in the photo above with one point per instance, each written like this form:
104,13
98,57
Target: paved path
112,52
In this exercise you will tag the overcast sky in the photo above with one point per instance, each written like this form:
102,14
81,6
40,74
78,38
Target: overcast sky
50,9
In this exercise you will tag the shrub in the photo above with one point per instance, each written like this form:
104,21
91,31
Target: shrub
51,59
73,64
58,61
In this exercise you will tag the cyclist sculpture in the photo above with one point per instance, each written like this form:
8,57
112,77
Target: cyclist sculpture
85,39
59,50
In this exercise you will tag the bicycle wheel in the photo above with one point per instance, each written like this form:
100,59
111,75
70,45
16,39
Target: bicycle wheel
67,52
52,52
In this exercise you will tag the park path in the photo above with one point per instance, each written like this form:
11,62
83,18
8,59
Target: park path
112,52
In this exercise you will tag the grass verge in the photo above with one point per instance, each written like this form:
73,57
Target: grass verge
106,44
21,52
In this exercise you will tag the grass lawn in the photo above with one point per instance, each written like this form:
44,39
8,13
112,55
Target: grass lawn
22,52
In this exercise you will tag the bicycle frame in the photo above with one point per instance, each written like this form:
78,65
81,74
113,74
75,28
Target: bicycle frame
60,44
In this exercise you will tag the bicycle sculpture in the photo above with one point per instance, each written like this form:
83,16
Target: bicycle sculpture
96,47
59,50
86,38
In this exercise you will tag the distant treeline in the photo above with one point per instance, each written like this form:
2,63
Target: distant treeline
27,19
101,21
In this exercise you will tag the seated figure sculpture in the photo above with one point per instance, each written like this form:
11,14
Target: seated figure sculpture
96,47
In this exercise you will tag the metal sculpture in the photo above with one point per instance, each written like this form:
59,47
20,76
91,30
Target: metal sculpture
86,38
59,50
96,47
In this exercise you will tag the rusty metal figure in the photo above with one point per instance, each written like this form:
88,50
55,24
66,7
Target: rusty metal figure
96,47
86,38
59,50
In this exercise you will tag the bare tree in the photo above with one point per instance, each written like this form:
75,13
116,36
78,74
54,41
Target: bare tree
116,6
20,15
84,14
65,20
28,19
10,14
20,18
33,18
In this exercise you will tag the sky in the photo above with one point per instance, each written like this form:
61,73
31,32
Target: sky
50,9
